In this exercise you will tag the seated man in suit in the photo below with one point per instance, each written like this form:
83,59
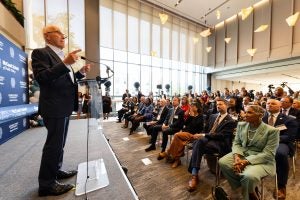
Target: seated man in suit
144,115
218,139
253,153
173,124
159,118
123,110
287,109
288,129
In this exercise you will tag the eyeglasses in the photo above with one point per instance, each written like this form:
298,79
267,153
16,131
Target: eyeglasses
60,33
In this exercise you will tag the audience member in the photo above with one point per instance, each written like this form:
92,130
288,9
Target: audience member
185,106
217,139
173,124
193,126
126,94
143,115
158,120
106,102
288,128
252,155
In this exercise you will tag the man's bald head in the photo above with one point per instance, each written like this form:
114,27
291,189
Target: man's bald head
53,35
273,106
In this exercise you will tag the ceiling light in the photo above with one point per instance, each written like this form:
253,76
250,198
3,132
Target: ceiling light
291,20
205,33
195,40
251,52
208,49
261,28
153,53
163,18
218,14
227,40
177,3
245,12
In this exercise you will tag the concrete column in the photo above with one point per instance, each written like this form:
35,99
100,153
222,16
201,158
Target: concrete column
92,36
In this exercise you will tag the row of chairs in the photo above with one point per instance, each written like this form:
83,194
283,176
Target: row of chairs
218,171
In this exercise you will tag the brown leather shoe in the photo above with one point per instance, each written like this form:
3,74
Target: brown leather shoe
281,194
162,155
193,182
176,163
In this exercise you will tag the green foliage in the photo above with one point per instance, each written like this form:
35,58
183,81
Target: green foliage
14,11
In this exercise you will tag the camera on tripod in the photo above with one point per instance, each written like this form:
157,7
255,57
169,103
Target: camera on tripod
271,86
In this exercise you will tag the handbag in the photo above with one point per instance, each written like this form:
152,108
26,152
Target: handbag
219,193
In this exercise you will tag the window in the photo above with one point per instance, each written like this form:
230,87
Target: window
106,34
133,76
156,78
146,79
120,81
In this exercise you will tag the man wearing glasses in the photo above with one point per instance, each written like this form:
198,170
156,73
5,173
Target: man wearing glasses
58,98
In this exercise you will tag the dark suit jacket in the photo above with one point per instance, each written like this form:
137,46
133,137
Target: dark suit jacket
178,119
125,95
163,115
223,133
295,114
58,94
287,136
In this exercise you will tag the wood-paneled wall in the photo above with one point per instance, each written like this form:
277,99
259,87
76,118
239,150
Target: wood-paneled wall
278,41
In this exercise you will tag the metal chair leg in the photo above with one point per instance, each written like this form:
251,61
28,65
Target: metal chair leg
294,167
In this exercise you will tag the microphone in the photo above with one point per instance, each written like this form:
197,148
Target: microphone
107,67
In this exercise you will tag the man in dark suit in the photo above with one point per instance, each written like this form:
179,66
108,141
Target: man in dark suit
126,94
172,124
158,120
160,117
58,98
217,139
288,129
287,109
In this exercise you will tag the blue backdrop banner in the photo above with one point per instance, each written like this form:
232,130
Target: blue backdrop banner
12,128
13,74
13,112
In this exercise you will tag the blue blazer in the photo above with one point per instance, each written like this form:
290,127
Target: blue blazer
58,94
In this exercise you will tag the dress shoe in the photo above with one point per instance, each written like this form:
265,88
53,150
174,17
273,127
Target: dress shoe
117,121
162,155
66,174
130,132
55,189
176,163
150,148
193,182
281,193
124,126
253,196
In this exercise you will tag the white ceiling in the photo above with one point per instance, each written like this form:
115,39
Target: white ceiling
196,10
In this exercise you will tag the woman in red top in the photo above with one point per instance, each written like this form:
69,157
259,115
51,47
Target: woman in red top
185,106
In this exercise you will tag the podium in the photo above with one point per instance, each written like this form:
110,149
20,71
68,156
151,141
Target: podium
92,175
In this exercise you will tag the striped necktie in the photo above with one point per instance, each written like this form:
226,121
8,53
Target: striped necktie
216,123
271,120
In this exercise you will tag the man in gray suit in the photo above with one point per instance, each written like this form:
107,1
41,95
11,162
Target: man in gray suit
58,98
